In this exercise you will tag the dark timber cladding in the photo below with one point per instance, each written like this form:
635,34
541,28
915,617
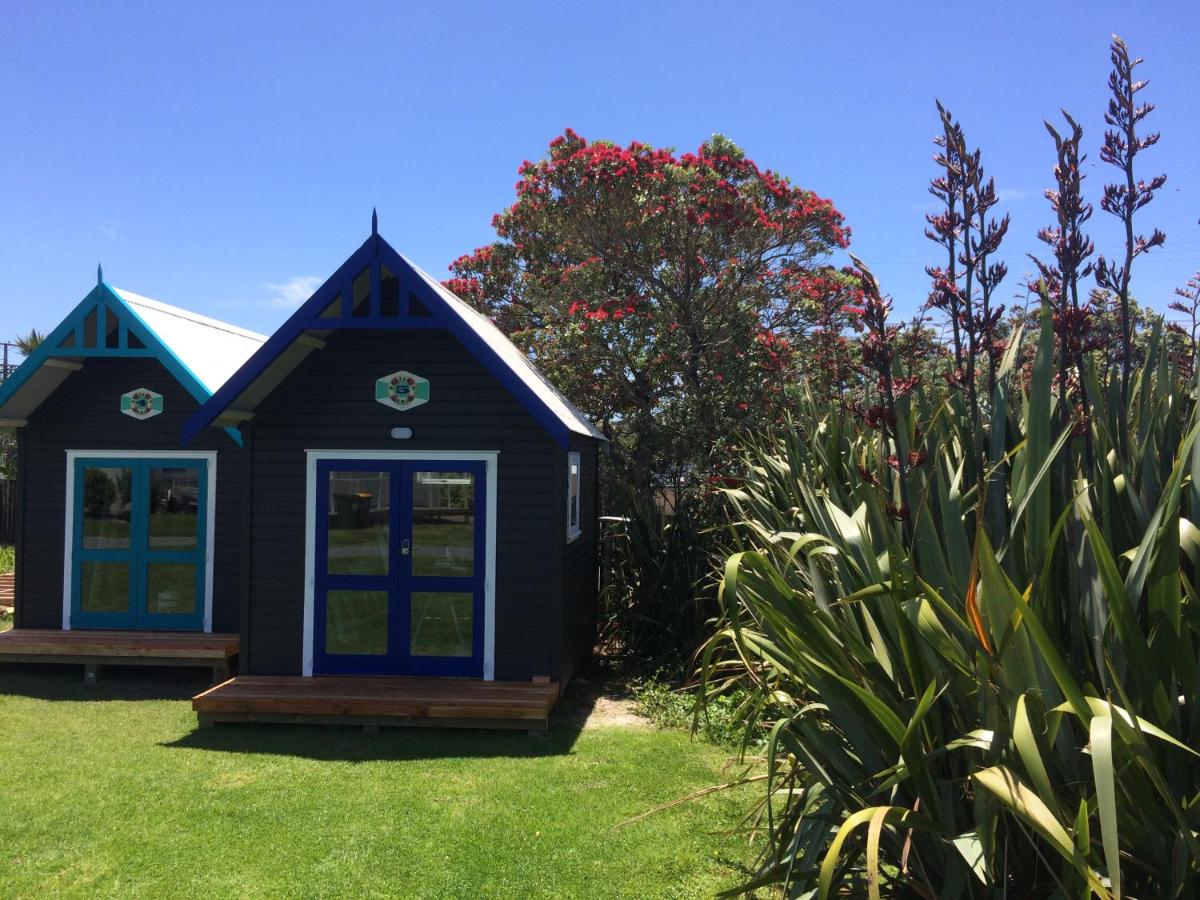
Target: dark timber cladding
580,560
83,414
327,403
384,373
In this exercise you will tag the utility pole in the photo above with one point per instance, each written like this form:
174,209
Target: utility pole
7,368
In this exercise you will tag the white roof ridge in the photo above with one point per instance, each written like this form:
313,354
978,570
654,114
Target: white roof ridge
188,315
510,353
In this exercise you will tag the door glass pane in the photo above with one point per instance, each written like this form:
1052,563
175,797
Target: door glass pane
174,502
441,623
104,587
171,588
443,524
356,622
358,523
106,508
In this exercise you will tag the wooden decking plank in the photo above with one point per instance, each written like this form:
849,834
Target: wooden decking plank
405,700
397,707
117,645
387,686
352,697
414,695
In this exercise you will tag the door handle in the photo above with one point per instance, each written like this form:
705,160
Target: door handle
405,547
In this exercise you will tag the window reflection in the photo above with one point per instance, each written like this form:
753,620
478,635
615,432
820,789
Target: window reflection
443,524
359,503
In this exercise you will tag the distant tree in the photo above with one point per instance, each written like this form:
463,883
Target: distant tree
27,343
99,494
663,293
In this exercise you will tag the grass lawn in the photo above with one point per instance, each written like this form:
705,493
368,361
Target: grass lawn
109,789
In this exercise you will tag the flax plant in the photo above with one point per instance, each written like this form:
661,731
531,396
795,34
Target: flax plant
966,702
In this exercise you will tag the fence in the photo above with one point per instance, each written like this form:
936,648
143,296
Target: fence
8,511
9,357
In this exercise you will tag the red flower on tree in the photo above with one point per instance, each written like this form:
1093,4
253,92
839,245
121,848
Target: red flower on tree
662,292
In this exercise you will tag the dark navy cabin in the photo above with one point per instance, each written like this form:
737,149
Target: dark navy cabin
119,527
419,500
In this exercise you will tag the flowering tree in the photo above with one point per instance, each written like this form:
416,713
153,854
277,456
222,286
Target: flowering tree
662,293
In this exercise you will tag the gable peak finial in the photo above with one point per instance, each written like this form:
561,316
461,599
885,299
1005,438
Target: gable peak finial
99,274
374,221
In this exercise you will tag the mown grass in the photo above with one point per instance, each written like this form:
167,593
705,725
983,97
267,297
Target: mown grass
110,790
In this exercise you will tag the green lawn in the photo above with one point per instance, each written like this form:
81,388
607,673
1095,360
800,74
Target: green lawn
109,789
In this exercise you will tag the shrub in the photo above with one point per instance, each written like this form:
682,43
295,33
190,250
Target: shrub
719,721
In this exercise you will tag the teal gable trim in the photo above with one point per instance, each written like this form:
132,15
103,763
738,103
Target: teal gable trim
105,302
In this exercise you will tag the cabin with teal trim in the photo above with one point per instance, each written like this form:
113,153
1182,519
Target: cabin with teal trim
120,529
421,502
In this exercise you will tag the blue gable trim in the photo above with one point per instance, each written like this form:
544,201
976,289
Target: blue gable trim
105,302
374,253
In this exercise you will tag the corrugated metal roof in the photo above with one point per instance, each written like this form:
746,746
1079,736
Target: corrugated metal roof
211,349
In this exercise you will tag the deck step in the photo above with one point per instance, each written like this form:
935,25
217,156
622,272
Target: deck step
123,648
380,700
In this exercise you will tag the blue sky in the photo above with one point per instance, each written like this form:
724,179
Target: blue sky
226,157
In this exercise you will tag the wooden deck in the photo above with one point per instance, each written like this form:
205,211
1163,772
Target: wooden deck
93,649
7,592
371,702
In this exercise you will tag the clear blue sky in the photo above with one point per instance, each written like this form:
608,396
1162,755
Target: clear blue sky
224,156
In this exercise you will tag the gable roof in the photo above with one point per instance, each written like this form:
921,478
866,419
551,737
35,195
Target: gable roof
422,302
200,352
212,350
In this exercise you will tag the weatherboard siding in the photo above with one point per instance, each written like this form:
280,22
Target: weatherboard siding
83,414
328,403
580,565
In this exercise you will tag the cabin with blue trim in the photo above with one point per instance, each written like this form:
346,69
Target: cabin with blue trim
125,538
420,501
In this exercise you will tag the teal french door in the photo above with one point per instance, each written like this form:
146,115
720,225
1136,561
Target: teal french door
139,545
399,569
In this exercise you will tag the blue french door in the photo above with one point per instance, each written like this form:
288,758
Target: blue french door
138,558
399,568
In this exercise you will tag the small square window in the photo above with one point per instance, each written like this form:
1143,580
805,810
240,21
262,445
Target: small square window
573,527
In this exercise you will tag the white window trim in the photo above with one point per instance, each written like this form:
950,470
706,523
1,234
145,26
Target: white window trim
490,458
210,460
574,531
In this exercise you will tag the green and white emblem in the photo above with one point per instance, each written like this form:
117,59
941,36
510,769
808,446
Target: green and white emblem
141,403
402,390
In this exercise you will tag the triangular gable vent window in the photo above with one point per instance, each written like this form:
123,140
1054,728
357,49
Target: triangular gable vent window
334,309
360,307
417,309
389,294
